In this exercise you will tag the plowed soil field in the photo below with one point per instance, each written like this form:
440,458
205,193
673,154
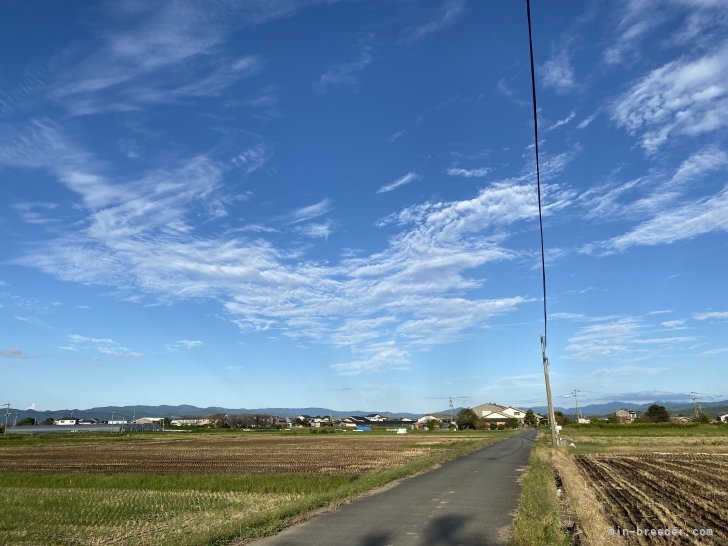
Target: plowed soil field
646,491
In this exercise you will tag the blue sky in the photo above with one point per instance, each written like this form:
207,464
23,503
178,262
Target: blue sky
278,203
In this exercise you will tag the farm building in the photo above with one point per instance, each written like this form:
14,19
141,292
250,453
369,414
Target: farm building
625,415
66,421
190,422
723,418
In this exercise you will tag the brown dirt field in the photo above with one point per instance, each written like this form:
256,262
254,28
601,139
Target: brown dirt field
662,491
334,454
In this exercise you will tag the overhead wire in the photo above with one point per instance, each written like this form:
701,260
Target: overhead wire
538,171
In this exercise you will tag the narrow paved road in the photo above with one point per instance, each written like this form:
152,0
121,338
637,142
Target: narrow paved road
469,501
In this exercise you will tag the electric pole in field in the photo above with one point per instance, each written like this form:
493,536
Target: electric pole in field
544,358
694,395
7,414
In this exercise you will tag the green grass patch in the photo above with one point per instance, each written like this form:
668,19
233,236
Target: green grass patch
537,522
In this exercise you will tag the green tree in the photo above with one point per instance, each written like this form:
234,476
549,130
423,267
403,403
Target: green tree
466,418
530,418
511,422
48,421
656,414
26,421
433,424
703,418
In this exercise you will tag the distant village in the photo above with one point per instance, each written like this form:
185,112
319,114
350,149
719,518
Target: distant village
489,415
484,416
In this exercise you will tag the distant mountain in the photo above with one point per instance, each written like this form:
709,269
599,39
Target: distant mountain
711,408
105,413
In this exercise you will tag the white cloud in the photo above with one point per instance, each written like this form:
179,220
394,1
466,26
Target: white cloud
345,73
685,222
718,351
190,343
309,212
162,53
76,338
315,230
698,164
711,315
683,97
138,238
625,371
583,124
253,158
603,340
38,213
673,323
406,179
558,73
563,121
451,11
468,173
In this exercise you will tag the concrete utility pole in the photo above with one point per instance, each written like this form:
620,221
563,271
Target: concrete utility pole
7,414
552,418
694,395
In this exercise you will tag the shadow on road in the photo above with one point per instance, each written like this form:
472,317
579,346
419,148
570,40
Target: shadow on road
441,531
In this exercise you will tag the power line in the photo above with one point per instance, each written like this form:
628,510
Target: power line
544,358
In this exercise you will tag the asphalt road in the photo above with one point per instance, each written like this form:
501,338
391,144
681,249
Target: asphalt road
469,501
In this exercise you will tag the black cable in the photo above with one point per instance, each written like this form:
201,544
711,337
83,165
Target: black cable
538,169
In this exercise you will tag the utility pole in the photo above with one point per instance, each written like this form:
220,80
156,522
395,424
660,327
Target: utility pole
694,395
552,418
7,414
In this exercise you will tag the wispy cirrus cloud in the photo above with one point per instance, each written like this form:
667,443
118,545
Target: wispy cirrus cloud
468,173
346,73
101,345
159,54
450,12
562,122
138,237
309,212
683,97
685,222
707,315
401,181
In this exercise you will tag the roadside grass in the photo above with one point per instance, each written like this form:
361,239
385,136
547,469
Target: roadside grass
538,519
185,510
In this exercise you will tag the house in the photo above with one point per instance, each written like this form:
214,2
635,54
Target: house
625,415
679,419
722,418
148,420
376,418
497,414
66,421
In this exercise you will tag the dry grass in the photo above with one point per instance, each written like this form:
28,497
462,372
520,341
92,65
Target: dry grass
592,523
298,454
197,490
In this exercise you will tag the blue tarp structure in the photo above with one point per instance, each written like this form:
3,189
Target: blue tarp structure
360,427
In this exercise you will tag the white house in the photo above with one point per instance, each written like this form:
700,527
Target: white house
723,418
66,421
626,415
495,413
